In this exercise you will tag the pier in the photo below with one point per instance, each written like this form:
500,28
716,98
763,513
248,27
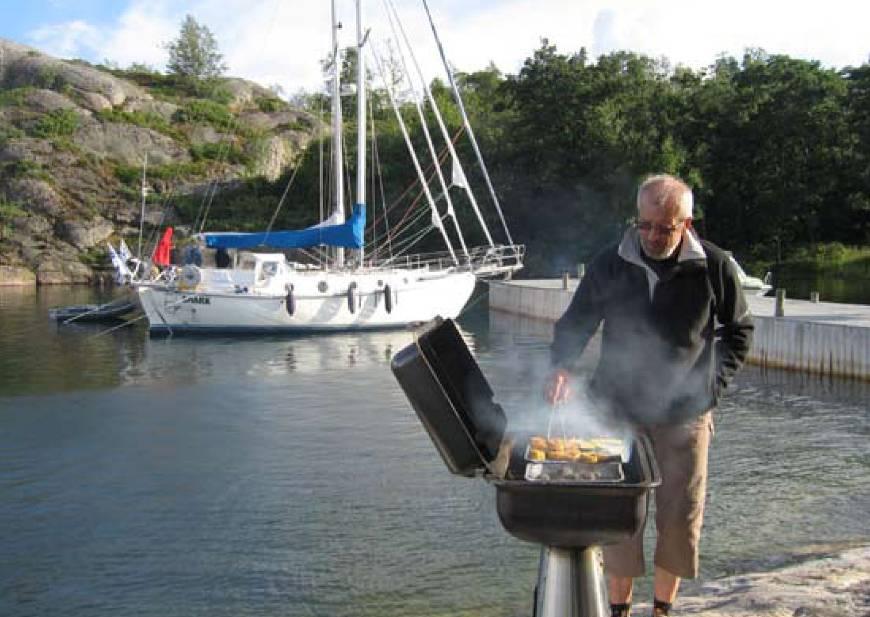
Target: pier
819,337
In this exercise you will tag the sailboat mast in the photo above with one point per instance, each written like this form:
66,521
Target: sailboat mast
337,155
360,117
144,191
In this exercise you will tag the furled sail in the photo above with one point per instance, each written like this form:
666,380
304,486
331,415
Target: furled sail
347,235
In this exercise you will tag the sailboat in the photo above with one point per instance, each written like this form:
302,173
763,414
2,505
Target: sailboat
265,292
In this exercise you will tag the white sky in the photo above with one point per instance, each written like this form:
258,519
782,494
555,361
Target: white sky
281,41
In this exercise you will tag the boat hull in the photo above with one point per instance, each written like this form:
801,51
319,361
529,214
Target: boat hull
413,299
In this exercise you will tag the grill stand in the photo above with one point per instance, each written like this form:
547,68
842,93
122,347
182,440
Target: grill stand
570,583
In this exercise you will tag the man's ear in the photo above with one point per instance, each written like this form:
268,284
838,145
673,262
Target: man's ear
689,223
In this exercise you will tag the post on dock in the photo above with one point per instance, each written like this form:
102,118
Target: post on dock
814,297
581,270
779,307
565,279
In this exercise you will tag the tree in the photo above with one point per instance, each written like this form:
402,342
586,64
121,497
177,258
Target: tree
195,52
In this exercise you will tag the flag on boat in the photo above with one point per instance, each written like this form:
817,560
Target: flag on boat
161,253
459,178
124,251
122,272
348,235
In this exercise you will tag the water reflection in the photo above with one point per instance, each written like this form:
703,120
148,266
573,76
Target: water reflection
43,356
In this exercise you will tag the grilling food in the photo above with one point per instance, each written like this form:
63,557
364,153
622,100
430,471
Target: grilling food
572,449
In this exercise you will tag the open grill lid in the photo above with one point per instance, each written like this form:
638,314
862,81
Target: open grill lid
451,396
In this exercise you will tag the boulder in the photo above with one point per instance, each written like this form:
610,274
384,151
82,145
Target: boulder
164,109
26,66
127,144
290,119
44,101
16,275
274,158
34,150
85,234
244,92
95,101
205,134
38,196
60,270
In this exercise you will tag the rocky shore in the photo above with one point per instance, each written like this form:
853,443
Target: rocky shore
834,585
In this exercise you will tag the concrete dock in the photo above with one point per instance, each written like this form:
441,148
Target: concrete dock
819,337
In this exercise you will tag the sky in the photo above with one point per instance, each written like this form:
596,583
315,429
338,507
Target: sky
282,41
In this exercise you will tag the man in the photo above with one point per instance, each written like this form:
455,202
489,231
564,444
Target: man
676,328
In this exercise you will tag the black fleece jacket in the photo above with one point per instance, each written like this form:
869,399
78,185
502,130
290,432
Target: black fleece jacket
669,346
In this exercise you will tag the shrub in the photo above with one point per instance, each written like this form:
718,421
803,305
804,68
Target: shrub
10,210
57,123
270,104
144,119
229,152
209,112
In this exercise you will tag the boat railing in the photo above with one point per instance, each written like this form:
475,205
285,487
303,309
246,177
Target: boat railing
483,261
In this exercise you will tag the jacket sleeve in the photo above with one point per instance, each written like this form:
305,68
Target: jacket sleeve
572,332
736,330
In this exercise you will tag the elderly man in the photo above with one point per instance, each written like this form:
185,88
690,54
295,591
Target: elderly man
676,328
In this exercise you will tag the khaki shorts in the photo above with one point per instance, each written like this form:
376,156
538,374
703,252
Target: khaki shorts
681,452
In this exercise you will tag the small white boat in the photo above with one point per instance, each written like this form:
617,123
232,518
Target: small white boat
751,284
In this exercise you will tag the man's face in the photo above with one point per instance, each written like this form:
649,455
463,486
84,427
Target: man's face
660,228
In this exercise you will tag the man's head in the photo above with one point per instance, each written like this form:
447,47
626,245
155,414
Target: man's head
664,211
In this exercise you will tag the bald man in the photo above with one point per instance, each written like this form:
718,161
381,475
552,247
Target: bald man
675,330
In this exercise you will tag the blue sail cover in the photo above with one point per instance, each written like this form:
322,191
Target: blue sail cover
348,235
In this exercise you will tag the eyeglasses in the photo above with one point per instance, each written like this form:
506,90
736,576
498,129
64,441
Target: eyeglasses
665,230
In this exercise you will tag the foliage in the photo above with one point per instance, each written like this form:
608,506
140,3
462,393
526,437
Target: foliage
209,112
194,54
271,104
223,152
144,119
132,175
14,97
10,210
57,123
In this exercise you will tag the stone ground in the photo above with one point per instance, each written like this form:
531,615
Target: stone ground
835,585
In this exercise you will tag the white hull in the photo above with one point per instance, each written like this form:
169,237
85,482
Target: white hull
319,301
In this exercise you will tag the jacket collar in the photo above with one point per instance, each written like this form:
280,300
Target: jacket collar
691,250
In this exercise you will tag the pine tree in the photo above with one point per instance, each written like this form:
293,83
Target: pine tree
195,52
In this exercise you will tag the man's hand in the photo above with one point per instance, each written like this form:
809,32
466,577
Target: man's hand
557,388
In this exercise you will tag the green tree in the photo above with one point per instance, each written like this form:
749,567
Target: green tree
194,54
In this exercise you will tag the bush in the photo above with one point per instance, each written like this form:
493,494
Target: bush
132,175
57,123
229,152
10,210
270,104
209,112
144,119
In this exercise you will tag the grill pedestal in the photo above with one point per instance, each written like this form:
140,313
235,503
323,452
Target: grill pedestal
570,583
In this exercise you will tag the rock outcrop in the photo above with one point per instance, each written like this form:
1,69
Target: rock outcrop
835,585
73,138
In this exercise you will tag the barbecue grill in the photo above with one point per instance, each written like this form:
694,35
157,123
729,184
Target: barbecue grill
569,518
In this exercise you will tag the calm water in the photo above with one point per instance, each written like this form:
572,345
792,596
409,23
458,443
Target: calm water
288,476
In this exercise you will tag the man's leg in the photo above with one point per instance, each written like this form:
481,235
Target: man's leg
620,589
666,585
681,452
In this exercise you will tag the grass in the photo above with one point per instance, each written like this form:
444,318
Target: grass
57,123
132,175
144,119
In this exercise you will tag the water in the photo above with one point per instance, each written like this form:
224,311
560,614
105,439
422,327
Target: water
288,476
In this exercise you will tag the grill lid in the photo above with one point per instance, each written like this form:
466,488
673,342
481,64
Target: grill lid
451,396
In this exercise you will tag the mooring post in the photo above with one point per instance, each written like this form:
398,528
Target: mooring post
581,270
779,309
814,297
565,278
